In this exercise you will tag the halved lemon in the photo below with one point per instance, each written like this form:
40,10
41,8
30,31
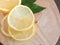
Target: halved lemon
7,5
21,18
4,26
22,35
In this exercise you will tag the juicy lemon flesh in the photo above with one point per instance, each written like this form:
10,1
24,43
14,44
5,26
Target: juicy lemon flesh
22,22
22,35
8,4
20,17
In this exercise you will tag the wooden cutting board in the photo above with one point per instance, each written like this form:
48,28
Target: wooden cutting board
48,26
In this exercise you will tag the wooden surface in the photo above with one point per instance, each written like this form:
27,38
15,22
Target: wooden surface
47,27
2,38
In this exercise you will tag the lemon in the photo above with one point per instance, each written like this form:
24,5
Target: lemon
7,5
22,35
4,26
21,18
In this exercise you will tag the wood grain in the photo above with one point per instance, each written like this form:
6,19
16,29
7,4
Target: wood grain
48,26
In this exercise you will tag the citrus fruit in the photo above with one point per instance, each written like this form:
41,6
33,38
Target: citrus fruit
7,5
20,18
4,26
22,35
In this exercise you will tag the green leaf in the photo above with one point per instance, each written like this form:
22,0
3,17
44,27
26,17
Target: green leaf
28,1
34,7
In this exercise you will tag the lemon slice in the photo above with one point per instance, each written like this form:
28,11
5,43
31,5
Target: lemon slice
4,26
21,18
7,5
22,35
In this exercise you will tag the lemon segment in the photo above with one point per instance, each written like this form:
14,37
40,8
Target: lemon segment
21,18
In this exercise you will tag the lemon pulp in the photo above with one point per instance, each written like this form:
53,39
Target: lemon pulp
22,35
21,18
7,5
